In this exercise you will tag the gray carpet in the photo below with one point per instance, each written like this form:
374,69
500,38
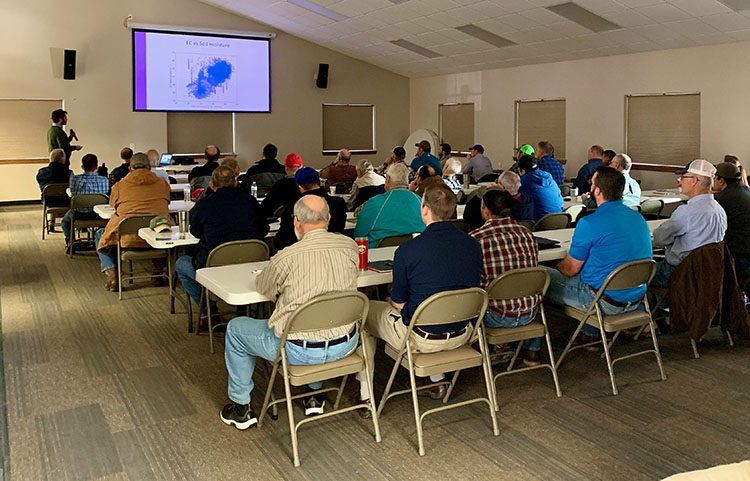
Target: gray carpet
118,390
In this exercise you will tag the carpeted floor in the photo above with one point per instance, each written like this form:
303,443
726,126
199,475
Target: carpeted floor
98,388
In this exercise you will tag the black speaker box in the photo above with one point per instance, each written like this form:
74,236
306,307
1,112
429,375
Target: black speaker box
322,80
69,65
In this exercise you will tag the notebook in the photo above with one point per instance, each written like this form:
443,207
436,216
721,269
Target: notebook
545,243
380,266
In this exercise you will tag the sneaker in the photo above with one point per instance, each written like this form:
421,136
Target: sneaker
531,358
229,416
314,405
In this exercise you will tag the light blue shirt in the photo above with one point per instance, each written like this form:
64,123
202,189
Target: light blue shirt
632,193
699,222
161,174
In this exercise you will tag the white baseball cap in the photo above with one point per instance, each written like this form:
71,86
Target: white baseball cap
701,167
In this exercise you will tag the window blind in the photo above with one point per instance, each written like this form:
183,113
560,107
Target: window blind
348,126
457,125
23,127
538,120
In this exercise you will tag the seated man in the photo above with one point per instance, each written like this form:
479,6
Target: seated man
319,263
284,191
451,168
547,162
265,172
339,172
607,157
397,156
119,172
425,157
153,159
522,206
55,173
477,164
367,185
230,162
229,214
583,180
632,193
734,198
397,212
212,155
699,222
87,183
418,184
308,183
441,259
603,241
507,245
539,186
140,192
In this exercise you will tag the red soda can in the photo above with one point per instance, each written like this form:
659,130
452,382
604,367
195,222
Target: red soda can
362,244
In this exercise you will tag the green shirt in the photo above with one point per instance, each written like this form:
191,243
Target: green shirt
58,139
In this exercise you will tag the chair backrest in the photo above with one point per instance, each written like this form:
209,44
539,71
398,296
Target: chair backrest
635,207
200,182
88,200
519,283
238,252
461,225
328,311
394,240
557,220
629,275
574,211
529,224
131,224
652,207
55,190
564,190
451,306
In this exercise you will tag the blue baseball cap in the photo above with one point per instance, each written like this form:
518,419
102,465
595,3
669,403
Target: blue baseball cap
306,175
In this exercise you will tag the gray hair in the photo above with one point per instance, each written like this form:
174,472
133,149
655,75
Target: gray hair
139,161
622,160
453,164
155,154
399,174
511,181
57,155
364,166
705,182
309,216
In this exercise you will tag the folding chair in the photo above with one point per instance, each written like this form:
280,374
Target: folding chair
394,240
554,221
574,211
636,208
564,190
651,208
324,312
52,190
228,253
627,276
444,308
517,284
81,201
529,224
130,225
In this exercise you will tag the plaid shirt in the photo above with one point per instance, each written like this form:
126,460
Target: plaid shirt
89,183
554,167
506,245
453,183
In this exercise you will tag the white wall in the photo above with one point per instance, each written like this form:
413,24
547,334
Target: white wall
595,91
99,101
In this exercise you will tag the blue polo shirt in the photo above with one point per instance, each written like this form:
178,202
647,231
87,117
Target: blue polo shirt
613,235
429,159
441,259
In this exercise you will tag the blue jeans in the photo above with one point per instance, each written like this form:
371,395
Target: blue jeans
186,273
493,319
572,291
663,270
108,261
248,338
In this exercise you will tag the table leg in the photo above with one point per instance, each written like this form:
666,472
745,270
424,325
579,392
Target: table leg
171,279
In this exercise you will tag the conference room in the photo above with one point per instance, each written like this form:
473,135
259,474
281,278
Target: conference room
130,383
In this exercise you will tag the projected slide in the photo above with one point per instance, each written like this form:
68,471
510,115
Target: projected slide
187,72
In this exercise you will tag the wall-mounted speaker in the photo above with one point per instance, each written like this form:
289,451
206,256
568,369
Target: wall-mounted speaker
69,65
321,81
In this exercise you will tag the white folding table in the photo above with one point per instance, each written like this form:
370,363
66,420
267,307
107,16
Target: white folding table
105,211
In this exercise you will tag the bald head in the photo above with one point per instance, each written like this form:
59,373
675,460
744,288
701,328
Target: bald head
311,212
344,156
212,153
153,157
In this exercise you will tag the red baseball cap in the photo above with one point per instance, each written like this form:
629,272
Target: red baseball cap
293,161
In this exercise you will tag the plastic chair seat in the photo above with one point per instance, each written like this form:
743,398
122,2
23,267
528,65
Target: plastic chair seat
615,322
503,335
427,364
143,254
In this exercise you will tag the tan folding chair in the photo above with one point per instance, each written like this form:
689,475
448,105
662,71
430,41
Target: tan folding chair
651,208
517,284
394,240
130,225
228,253
574,211
49,214
529,224
82,201
636,208
461,225
627,276
564,190
554,221
324,312
444,308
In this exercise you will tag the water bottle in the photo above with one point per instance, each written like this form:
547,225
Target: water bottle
254,189
186,193
102,170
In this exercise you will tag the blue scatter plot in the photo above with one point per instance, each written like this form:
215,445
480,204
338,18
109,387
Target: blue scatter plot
210,77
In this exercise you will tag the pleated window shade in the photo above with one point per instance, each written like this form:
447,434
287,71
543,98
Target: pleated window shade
191,132
348,126
457,126
23,127
538,120
664,129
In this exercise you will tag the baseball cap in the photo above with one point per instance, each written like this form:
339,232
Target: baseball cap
478,148
425,145
306,175
699,167
727,170
293,161
399,152
160,223
526,149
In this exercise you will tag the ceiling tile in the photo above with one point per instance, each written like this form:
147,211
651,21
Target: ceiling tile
700,8
727,22
663,13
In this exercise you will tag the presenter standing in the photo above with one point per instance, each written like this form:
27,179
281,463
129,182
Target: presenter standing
56,137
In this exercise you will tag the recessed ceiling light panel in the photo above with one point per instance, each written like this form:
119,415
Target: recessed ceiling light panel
425,52
581,16
315,8
485,36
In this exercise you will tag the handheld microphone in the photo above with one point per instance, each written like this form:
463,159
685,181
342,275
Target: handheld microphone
73,134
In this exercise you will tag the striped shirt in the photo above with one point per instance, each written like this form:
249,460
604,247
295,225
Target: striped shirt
453,183
506,245
320,263
88,183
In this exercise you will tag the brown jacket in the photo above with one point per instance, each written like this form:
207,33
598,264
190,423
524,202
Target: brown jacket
140,192
339,174
703,288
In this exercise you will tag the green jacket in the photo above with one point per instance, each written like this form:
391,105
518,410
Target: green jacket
58,139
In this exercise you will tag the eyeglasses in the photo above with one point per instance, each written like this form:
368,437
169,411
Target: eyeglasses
683,177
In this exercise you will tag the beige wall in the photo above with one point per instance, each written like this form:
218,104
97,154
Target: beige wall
99,101
595,90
